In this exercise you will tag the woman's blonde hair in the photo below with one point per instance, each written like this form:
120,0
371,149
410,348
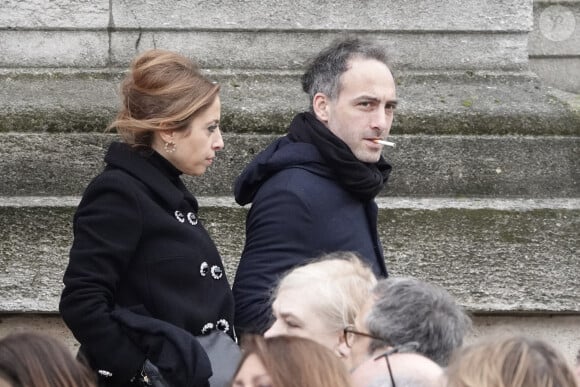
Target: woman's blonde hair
513,361
163,90
339,283
296,362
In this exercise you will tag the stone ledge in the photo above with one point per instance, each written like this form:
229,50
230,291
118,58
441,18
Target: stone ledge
558,330
496,258
470,103
62,164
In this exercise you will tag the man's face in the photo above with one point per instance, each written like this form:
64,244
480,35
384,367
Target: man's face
363,110
359,350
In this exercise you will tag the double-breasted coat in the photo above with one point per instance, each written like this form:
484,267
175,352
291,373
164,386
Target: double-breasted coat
139,244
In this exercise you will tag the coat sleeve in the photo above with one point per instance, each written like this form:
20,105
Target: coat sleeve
107,229
279,236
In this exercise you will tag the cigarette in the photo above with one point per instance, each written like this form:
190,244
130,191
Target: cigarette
383,142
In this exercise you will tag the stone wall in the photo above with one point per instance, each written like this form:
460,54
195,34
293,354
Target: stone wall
485,194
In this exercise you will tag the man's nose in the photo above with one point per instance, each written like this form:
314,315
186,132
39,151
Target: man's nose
382,122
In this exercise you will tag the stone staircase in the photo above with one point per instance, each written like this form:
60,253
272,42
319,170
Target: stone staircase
484,198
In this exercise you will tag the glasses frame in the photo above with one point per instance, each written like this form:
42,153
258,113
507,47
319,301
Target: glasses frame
411,346
350,329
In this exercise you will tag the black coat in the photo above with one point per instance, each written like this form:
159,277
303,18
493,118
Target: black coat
139,244
299,211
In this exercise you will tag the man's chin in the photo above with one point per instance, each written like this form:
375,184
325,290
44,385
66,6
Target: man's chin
369,159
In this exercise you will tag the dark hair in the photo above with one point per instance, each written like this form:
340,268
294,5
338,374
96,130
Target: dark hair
30,359
296,362
163,90
408,309
323,72
514,361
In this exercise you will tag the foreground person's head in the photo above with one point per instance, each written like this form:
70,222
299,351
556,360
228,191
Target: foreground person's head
286,361
513,361
320,299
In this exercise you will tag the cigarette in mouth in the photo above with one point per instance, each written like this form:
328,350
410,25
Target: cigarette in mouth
383,142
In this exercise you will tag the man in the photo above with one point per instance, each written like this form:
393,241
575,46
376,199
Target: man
312,191
406,313
402,370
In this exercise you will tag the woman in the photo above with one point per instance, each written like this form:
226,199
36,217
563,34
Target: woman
144,277
36,360
286,361
320,299
514,361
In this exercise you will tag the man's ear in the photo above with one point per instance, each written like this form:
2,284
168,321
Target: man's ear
320,106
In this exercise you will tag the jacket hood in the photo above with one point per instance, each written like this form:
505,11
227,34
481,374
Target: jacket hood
281,154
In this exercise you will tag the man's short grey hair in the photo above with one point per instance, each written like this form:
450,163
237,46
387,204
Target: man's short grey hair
323,72
408,309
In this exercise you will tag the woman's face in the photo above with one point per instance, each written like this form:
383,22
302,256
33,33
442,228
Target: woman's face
195,149
252,373
296,314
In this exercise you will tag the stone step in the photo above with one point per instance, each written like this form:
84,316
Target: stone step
467,34
506,256
61,164
259,101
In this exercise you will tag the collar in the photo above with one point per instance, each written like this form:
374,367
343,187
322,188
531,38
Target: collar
162,179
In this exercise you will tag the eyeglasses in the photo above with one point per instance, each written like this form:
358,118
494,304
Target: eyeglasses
349,333
407,347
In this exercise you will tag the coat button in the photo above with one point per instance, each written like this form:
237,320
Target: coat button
105,373
223,325
203,269
179,216
216,272
206,328
191,218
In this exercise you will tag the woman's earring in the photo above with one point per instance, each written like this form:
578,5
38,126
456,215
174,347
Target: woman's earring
170,147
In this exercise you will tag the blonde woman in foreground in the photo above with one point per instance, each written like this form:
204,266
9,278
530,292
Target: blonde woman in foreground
510,362
318,300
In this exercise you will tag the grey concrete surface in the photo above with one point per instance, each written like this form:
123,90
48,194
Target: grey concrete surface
269,14
54,14
66,100
36,164
556,30
554,43
508,259
251,50
46,48
560,72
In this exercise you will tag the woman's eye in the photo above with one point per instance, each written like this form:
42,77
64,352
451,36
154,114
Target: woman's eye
213,128
292,324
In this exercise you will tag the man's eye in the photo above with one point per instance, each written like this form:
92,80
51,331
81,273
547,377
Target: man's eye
390,106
